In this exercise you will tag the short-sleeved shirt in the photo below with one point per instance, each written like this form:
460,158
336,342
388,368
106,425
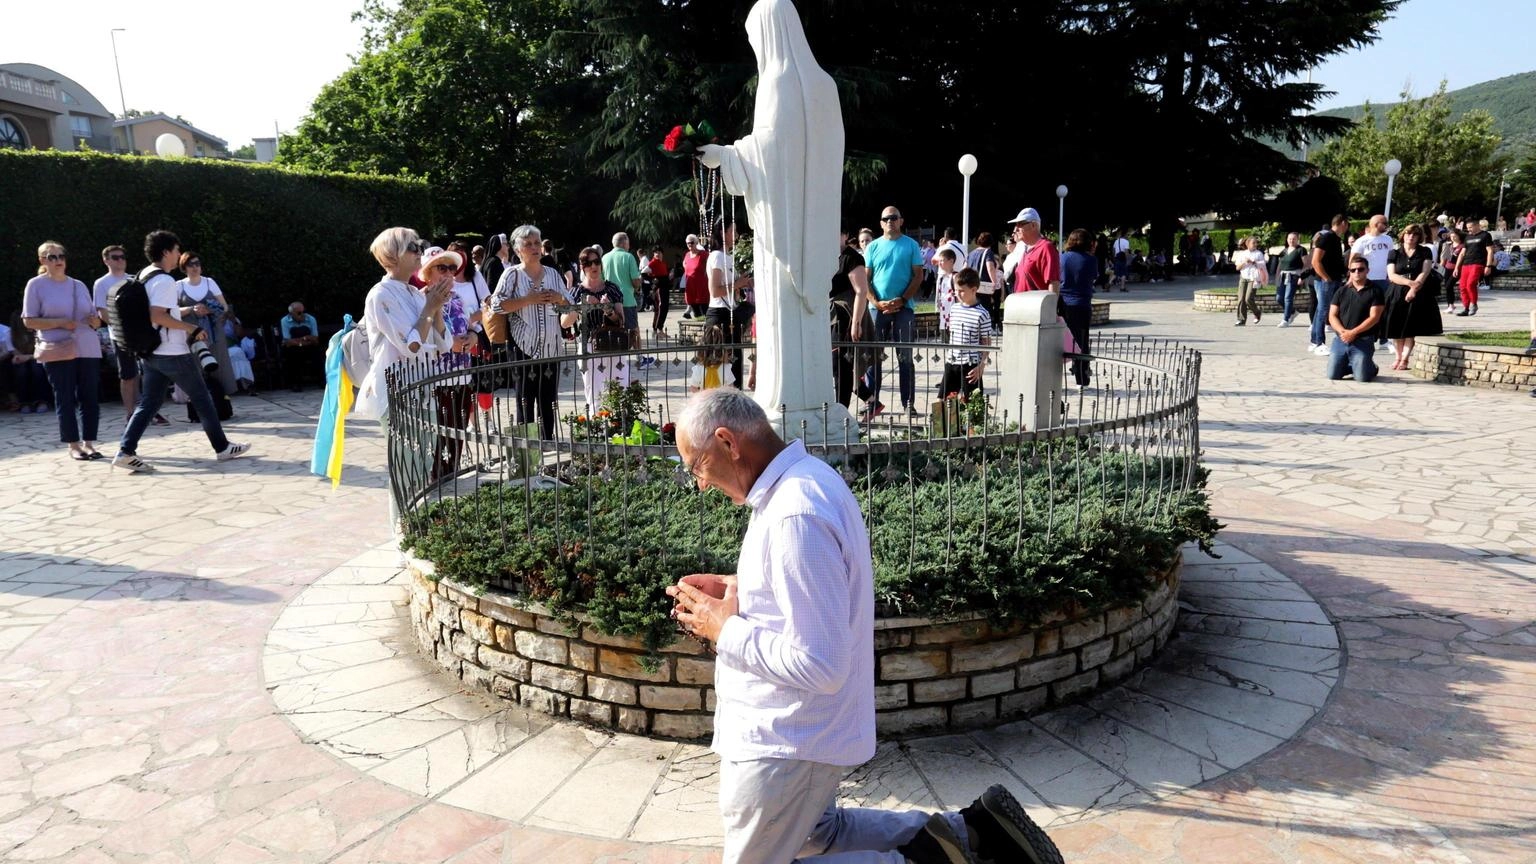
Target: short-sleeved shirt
1375,249
1333,254
890,264
289,322
621,268
164,293
1292,259
45,298
99,293
1079,271
1122,248
1355,305
967,325
848,261
721,260
1477,248
695,277
1039,266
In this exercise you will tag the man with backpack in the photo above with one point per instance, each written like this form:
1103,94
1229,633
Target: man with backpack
149,324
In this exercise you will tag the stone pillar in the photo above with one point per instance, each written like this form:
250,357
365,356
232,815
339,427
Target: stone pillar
1030,360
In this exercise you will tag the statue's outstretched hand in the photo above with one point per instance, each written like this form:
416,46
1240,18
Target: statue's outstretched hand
710,155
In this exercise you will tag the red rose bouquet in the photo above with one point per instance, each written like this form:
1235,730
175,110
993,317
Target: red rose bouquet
685,140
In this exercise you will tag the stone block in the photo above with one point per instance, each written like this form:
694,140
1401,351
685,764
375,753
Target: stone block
556,627
445,612
911,720
506,637
993,683
506,688
1046,671
600,713
1047,641
1116,620
888,696
1118,668
893,638
624,664
1074,686
690,726
597,637
634,721
1095,653
1082,632
684,645
991,655
558,678
1023,702
476,676
504,663
906,665
479,627
709,700
462,646
968,715
611,690
944,634
539,699
694,671
583,657
670,698
941,690
1145,650
1157,599
505,613
537,646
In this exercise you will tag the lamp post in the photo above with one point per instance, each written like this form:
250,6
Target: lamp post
1498,212
967,168
123,101
1061,214
1393,168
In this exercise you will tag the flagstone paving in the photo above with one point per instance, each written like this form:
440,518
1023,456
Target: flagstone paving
173,650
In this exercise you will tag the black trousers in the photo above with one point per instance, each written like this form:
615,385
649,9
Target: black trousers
663,303
1077,318
850,364
736,325
298,362
955,380
538,385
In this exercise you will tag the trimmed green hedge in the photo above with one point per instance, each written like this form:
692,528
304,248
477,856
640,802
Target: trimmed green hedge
609,543
269,235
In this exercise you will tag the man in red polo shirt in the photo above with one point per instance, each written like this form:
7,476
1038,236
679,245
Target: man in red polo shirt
1039,268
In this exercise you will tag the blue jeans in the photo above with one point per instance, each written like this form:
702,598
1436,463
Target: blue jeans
1346,358
1286,289
1322,297
159,373
76,386
896,327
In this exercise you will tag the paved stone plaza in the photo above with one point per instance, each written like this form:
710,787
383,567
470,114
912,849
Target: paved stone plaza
210,664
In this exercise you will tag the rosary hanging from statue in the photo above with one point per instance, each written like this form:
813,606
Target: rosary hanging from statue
708,189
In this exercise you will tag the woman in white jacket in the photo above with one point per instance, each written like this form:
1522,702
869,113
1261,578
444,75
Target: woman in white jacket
405,326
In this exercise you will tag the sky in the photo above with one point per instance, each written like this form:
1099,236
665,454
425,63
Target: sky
239,71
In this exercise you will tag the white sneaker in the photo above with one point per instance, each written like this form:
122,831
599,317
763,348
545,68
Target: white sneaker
133,464
233,451
1284,322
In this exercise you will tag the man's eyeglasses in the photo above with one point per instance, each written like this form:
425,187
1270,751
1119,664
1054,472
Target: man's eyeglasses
1359,269
890,218
697,463
56,256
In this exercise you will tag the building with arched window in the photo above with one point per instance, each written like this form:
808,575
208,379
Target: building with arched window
41,109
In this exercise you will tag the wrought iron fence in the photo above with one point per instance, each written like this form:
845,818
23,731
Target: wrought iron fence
959,494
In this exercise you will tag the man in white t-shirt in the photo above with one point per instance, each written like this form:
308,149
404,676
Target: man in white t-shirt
172,362
1376,245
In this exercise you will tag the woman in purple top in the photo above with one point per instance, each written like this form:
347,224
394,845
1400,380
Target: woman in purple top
60,309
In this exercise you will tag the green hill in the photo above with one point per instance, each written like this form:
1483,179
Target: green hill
1511,100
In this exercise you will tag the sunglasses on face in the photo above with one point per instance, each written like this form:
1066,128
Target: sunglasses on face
115,257
444,267
1359,269
890,218
57,256
590,263
194,263
416,246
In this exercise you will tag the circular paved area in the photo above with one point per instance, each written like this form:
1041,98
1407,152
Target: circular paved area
1256,662
138,713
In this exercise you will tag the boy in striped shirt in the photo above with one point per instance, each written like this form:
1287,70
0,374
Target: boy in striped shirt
969,324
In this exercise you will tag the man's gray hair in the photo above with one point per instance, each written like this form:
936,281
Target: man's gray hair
523,232
723,408
621,240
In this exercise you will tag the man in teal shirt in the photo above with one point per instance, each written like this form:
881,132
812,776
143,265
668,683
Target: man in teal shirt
895,265
621,268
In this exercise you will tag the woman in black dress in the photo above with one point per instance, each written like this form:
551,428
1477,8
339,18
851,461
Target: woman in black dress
1413,306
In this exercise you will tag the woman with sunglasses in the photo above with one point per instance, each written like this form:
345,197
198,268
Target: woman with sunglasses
60,309
602,329
196,288
454,403
525,295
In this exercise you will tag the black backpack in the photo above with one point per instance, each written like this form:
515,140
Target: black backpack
128,304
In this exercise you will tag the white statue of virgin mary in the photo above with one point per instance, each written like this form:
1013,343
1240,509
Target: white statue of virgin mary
789,170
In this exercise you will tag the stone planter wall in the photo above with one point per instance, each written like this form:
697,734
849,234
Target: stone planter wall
1210,301
929,676
1100,313
1436,358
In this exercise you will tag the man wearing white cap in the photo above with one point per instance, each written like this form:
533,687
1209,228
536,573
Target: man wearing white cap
1038,266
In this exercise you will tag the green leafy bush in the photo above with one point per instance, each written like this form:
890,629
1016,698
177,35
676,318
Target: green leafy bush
269,235
1012,533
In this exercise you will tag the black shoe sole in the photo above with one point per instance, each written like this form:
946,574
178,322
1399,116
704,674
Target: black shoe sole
1026,835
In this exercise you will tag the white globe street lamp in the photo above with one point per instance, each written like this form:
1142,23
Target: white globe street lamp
967,168
1393,168
1498,212
1061,214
